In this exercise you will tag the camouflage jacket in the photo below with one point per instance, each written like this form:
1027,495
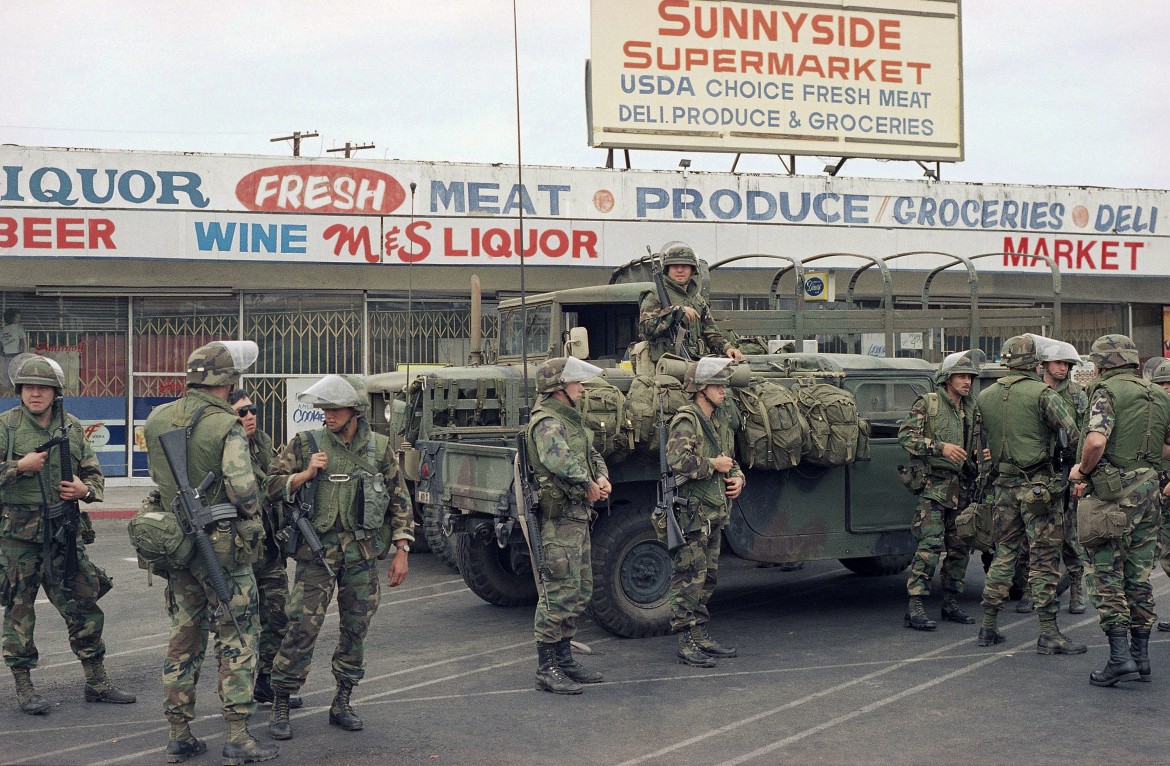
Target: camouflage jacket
694,442
562,471
654,322
923,435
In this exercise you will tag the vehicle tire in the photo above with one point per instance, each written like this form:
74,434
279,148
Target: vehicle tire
440,544
493,573
631,576
878,566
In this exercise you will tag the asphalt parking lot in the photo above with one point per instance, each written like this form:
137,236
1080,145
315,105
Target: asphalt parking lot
826,675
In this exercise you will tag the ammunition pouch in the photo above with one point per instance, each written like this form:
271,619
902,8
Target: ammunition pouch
236,540
1107,482
1099,521
975,524
913,476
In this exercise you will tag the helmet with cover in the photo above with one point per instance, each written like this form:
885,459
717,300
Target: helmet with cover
560,371
1019,352
1114,350
960,363
221,362
35,370
679,253
708,371
1162,373
333,392
1059,351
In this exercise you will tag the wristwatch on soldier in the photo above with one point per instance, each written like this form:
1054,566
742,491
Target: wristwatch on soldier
89,496
404,548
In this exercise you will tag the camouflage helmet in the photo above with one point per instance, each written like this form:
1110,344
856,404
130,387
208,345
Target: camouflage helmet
1019,351
1059,351
708,371
221,362
333,392
36,370
1114,350
1162,374
679,253
559,371
960,363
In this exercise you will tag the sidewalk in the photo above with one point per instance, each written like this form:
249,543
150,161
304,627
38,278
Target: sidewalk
121,502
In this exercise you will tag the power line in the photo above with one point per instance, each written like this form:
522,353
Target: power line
296,140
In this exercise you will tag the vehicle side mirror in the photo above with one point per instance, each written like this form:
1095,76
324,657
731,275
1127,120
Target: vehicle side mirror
578,344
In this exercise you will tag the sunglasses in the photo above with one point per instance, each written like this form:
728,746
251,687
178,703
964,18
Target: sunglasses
245,411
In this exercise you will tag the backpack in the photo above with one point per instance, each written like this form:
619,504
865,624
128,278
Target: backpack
157,537
773,428
642,407
835,434
603,409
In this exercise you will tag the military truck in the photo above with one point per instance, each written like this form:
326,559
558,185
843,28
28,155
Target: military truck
458,428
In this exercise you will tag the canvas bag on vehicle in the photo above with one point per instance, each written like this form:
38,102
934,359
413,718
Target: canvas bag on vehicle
603,409
836,436
642,407
774,430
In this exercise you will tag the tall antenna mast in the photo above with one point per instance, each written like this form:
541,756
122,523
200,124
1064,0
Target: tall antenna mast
524,413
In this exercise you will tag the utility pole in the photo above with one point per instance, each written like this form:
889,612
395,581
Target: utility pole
296,139
350,148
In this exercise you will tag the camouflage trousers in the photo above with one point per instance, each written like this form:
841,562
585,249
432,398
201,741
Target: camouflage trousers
21,564
358,596
569,585
1119,581
934,529
1020,527
1164,533
194,610
272,592
694,572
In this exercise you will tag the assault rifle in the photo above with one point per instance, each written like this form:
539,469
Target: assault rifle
678,328
527,501
194,516
62,517
668,486
299,515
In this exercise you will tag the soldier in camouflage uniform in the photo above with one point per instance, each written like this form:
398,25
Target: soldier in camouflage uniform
699,451
271,575
1161,376
942,432
362,513
1056,362
688,308
215,444
29,480
1022,418
1128,430
571,476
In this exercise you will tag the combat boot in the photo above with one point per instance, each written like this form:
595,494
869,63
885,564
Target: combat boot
710,646
1121,666
573,669
30,702
340,713
1025,604
241,747
279,726
183,745
1164,626
1139,649
952,612
689,652
549,676
262,692
99,687
1076,596
916,616
1052,641
989,634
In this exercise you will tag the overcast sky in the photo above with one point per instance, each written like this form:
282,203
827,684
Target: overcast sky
1055,91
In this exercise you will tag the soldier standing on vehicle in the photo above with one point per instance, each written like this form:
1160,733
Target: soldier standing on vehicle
1056,362
688,309
270,568
216,444
571,476
1123,447
1161,376
1022,418
361,512
30,481
699,452
942,433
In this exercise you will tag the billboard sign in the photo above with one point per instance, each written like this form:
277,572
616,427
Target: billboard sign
882,80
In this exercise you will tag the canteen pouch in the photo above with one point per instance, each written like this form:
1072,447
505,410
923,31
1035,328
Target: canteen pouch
913,476
1037,498
975,526
1099,521
1107,482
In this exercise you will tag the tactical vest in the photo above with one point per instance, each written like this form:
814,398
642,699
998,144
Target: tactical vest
1017,430
557,498
943,424
695,345
359,501
24,434
1074,396
1141,410
204,447
715,439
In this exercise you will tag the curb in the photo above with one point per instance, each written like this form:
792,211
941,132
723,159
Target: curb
113,513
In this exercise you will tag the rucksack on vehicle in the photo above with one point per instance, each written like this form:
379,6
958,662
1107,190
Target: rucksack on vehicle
835,433
773,428
603,409
157,537
642,407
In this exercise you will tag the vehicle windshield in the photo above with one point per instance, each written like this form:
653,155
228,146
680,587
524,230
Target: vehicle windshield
512,335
